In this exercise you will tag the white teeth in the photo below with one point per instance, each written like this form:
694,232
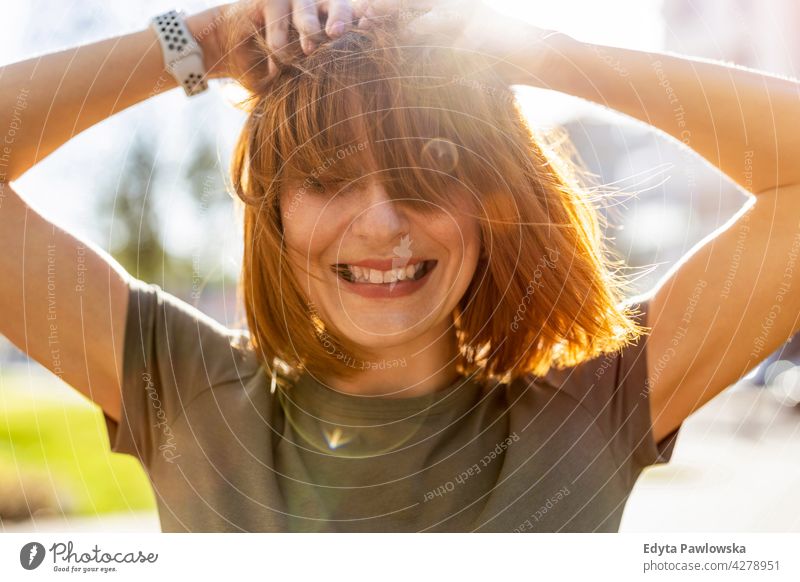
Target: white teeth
364,275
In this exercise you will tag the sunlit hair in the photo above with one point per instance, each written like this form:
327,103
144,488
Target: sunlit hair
439,129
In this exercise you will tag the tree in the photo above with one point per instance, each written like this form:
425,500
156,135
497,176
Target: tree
137,231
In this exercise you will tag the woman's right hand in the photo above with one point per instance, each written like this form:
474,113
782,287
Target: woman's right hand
233,35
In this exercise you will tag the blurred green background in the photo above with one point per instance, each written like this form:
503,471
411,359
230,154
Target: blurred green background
54,453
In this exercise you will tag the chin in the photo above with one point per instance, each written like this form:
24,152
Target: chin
383,327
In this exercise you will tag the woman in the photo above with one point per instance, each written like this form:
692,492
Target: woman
438,337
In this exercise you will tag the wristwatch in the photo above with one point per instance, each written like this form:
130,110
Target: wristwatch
183,57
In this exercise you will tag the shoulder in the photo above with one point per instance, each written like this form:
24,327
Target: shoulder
613,390
189,342
608,372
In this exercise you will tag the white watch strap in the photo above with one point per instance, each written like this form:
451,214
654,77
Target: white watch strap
183,57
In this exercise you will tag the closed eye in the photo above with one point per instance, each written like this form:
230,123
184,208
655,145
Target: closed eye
317,186
314,185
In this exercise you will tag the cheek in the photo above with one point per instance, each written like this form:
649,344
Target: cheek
306,224
462,226
459,238
468,244
460,235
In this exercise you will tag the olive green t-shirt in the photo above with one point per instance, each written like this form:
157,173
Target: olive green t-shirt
224,452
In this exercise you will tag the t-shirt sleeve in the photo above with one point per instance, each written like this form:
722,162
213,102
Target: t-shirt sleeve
172,353
614,389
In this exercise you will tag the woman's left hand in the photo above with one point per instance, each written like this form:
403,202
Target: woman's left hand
522,49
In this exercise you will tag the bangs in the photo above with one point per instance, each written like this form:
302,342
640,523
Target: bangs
396,115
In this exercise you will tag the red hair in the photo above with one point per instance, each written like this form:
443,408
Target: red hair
441,129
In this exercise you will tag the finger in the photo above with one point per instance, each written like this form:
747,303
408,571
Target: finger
305,18
277,15
340,14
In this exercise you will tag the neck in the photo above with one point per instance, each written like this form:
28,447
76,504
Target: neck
421,367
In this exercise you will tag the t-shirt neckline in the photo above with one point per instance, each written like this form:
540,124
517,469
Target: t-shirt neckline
314,395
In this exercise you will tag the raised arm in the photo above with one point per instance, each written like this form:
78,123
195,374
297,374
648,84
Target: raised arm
63,300
741,120
51,98
732,300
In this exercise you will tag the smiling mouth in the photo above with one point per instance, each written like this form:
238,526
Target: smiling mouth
355,274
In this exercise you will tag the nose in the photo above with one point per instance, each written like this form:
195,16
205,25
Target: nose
377,216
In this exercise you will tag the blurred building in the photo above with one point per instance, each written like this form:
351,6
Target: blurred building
668,197
762,35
